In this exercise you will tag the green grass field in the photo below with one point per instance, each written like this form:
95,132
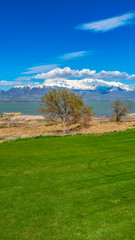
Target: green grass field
68,188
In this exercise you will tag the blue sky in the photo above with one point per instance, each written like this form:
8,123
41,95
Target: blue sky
39,36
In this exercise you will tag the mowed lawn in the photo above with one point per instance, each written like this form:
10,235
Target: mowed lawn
68,188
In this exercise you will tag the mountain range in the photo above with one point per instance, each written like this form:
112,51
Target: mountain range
91,89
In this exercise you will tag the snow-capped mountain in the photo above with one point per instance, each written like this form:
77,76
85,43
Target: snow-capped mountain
91,89
86,84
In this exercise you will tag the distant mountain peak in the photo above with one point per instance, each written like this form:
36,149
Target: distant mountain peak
86,84
83,84
90,89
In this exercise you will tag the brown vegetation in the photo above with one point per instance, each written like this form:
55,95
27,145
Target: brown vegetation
31,126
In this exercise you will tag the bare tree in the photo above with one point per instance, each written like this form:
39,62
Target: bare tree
65,105
120,109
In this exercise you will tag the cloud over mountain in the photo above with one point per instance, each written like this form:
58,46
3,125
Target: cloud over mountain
67,72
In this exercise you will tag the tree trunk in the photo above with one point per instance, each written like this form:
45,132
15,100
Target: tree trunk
64,126
118,118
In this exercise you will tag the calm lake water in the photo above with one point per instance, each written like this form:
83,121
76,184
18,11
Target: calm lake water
30,108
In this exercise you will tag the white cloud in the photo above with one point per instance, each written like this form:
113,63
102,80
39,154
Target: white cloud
14,83
112,75
23,78
67,72
108,24
8,83
131,77
39,69
72,55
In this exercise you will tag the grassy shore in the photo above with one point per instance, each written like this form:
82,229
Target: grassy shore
68,188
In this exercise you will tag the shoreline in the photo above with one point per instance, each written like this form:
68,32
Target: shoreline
101,108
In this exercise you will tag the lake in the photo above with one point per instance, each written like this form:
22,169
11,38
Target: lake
30,108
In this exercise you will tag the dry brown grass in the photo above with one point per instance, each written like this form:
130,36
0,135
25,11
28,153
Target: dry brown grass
31,126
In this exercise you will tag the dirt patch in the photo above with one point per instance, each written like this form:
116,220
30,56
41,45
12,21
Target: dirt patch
32,126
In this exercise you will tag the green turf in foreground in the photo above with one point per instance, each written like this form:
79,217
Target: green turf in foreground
68,188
